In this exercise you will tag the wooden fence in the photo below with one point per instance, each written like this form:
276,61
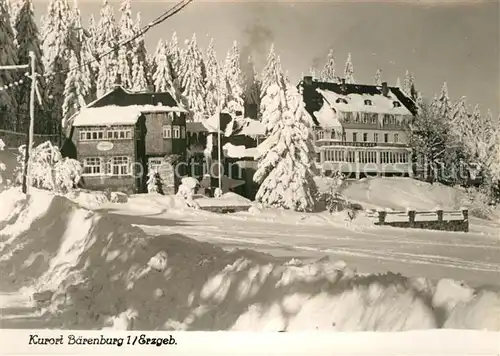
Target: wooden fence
452,220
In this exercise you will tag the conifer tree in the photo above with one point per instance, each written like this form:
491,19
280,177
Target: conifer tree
56,43
107,39
251,83
8,56
328,73
75,91
192,80
125,52
378,77
139,60
349,70
28,40
271,73
442,105
407,85
173,54
285,168
213,81
234,78
162,77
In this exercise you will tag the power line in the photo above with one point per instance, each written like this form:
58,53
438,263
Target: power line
163,17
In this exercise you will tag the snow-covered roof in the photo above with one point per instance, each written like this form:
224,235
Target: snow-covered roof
327,118
117,115
355,102
248,127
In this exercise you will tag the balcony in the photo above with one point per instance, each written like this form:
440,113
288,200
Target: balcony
323,143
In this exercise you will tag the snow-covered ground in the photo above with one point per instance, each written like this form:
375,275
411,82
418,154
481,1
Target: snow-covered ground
119,266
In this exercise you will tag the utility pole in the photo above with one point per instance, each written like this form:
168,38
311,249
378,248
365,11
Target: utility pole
29,137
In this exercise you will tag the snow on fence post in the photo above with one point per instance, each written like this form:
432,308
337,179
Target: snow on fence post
465,214
439,213
411,216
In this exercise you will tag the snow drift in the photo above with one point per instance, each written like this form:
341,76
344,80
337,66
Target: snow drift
96,271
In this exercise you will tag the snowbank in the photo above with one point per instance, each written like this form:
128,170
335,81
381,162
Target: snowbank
106,273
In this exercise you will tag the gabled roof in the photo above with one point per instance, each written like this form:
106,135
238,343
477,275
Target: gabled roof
351,97
122,98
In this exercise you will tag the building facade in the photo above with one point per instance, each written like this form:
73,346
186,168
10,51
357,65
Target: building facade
360,130
123,135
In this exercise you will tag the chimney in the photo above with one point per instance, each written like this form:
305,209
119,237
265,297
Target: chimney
342,86
308,80
151,88
385,89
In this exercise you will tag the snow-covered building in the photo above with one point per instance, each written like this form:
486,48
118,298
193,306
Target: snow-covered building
122,135
360,130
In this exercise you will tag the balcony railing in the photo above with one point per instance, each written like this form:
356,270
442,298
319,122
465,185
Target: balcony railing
321,143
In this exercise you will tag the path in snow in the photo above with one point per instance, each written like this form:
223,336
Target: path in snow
472,257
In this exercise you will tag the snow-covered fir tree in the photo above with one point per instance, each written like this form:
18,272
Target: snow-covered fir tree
93,45
420,102
234,78
13,7
162,78
125,52
328,72
76,89
349,70
413,90
192,80
442,105
407,83
28,40
285,168
271,73
107,40
80,46
460,121
55,48
139,60
8,56
174,56
213,81
378,77
154,182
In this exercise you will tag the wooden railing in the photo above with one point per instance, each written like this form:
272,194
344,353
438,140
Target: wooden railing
452,220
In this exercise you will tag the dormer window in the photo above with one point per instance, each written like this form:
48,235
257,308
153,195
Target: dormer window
341,101
397,104
368,102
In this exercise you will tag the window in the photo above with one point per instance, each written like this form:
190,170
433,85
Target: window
176,131
365,137
397,104
119,134
354,137
87,135
375,137
119,166
167,131
332,135
386,138
92,166
320,135
183,132
368,102
396,138
318,157
341,101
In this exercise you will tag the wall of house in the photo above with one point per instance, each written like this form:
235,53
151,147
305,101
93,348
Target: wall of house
156,144
120,147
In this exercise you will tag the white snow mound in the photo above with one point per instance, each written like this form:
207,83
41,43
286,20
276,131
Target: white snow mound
105,273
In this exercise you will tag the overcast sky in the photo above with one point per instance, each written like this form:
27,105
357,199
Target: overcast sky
453,41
